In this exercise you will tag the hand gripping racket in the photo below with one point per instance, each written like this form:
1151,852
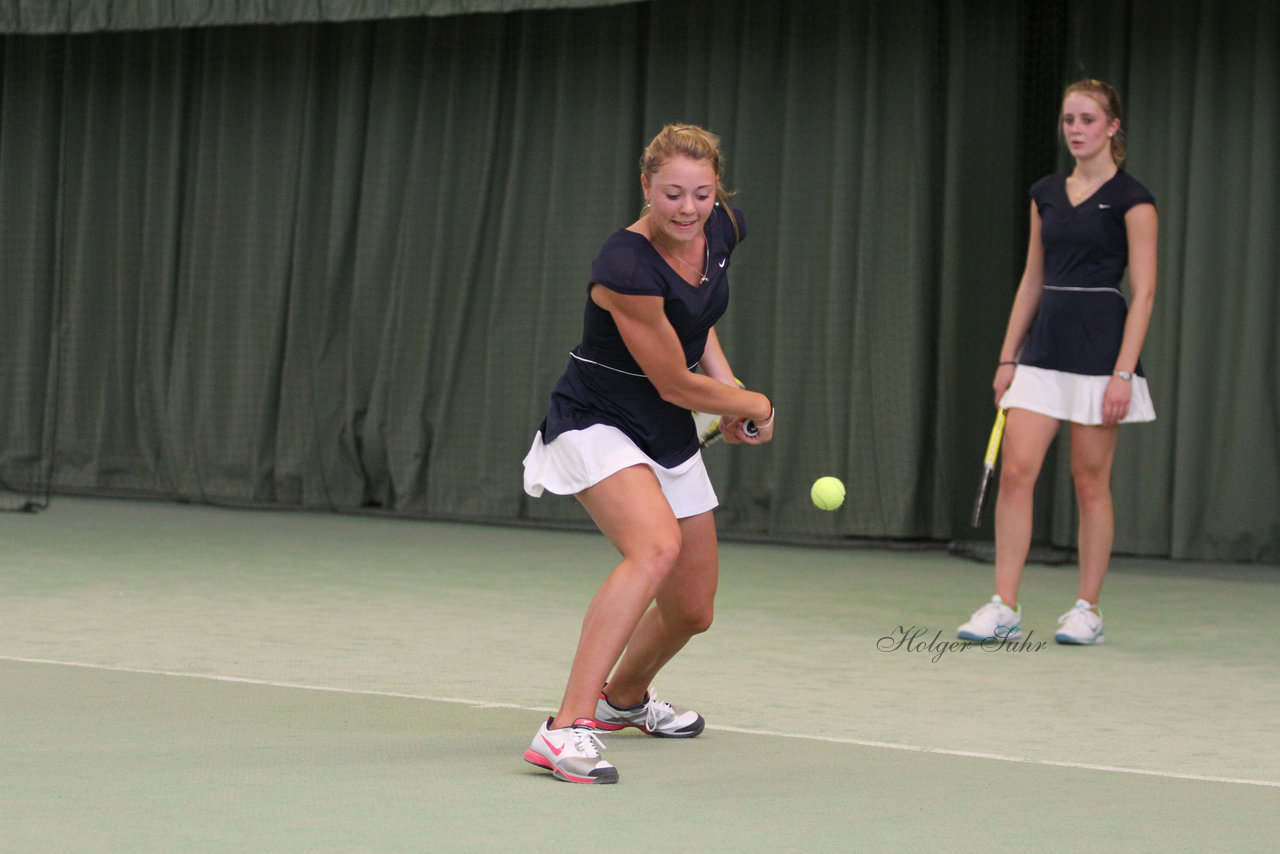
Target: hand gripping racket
989,465
713,434
709,431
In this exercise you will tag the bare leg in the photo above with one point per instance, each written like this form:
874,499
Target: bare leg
631,511
685,606
1027,437
1092,453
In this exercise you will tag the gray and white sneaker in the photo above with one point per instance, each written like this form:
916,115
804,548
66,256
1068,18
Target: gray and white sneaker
572,753
653,716
993,621
1080,626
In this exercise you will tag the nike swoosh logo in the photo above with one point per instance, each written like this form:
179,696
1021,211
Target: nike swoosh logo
1104,207
556,750
722,260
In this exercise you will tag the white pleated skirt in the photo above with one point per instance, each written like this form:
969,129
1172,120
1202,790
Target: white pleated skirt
577,459
1072,397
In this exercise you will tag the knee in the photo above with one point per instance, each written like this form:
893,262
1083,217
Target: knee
658,553
699,620
1092,489
704,621
690,619
1017,475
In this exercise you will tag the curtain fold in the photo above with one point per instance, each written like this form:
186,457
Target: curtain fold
31,84
1205,85
340,265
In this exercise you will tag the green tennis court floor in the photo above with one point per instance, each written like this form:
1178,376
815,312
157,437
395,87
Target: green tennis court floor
184,678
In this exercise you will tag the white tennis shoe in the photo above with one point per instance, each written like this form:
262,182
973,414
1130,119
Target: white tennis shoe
993,621
1080,626
653,716
572,753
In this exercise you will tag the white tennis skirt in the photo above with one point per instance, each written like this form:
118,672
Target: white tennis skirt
1072,397
577,459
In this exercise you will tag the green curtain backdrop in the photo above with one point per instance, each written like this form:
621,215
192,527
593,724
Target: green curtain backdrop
339,265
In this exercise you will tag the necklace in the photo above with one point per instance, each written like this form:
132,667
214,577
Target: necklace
701,274
1084,188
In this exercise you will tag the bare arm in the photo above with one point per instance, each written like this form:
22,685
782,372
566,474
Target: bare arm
716,365
1025,305
654,345
714,362
1142,226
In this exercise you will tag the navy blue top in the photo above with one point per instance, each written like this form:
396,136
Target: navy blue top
602,383
1080,323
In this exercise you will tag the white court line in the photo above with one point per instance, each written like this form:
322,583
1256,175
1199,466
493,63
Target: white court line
484,704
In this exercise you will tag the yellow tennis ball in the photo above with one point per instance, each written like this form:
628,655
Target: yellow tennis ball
827,493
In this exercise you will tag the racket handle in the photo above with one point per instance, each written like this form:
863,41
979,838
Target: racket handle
993,442
749,427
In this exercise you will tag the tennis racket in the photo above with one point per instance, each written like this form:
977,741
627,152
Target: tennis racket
989,465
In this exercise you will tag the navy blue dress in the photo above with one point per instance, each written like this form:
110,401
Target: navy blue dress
1080,324
603,384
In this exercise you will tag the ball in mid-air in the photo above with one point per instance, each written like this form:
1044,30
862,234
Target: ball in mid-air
827,493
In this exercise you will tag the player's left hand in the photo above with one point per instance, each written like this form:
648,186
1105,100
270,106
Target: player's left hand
731,429
1115,402
735,432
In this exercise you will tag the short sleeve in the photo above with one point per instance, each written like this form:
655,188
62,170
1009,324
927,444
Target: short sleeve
619,267
1132,194
1039,191
740,233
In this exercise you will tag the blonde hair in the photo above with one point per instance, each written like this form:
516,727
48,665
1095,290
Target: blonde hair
1107,98
695,143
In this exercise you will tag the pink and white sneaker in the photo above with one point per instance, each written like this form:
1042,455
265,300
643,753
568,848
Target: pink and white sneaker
572,753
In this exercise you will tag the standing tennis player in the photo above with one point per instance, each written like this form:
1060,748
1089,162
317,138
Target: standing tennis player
620,438
1070,354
